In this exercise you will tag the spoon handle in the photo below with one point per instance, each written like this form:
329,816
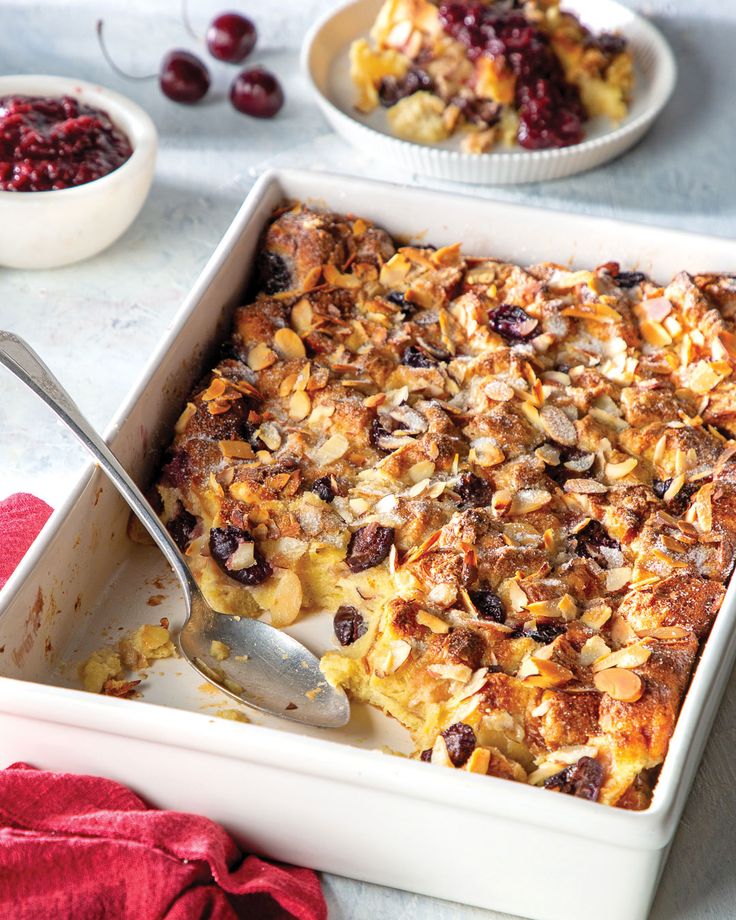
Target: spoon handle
22,361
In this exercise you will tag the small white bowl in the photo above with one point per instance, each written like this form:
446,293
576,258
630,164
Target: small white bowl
325,59
58,227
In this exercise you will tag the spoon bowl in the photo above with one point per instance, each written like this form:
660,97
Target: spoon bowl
264,668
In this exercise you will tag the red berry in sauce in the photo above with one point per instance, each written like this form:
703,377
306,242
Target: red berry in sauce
231,37
48,144
183,77
257,93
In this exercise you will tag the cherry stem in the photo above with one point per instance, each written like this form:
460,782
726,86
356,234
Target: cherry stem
187,21
118,70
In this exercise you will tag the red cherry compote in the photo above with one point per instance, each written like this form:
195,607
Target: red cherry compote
551,113
48,144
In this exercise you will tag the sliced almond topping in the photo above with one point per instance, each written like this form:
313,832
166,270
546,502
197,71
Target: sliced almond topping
677,483
527,500
376,400
187,415
260,357
498,391
558,426
621,631
620,470
288,344
270,435
654,333
440,755
656,308
421,470
617,578
594,648
663,632
287,599
236,450
585,486
479,761
333,276
619,684
630,656
550,674
300,405
608,419
567,607
458,672
391,658
333,448
302,315
242,558
436,624
517,598
596,617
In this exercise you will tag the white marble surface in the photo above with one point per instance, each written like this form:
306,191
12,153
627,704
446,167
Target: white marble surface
96,323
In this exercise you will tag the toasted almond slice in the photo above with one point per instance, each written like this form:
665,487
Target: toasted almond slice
335,277
260,357
501,502
479,761
242,558
585,486
517,598
677,483
187,415
620,470
663,632
654,333
270,435
421,470
656,309
288,344
333,448
300,405
619,684
458,672
498,391
594,648
596,617
608,419
287,599
436,624
527,500
302,315
236,450
567,607
617,578
630,656
621,631
440,755
391,657
558,426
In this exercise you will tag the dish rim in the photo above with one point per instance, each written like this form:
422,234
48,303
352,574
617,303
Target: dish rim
652,828
665,60
141,131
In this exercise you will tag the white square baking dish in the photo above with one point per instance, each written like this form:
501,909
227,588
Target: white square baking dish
317,798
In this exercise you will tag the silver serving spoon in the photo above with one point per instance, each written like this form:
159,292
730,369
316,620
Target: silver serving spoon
279,676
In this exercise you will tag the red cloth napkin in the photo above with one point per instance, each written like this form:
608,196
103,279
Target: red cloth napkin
21,518
87,848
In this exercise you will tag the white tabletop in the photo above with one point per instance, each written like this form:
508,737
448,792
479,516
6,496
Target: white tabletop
96,323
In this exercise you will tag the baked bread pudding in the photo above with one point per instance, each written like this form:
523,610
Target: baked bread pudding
512,489
510,71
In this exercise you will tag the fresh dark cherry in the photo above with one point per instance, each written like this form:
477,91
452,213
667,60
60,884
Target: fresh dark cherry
369,546
349,625
392,89
629,279
488,604
183,77
551,113
474,491
231,37
460,741
512,323
582,779
417,357
592,539
224,541
322,487
257,93
182,526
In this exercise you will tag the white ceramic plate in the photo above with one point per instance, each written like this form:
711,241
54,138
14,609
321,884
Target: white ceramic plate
325,59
